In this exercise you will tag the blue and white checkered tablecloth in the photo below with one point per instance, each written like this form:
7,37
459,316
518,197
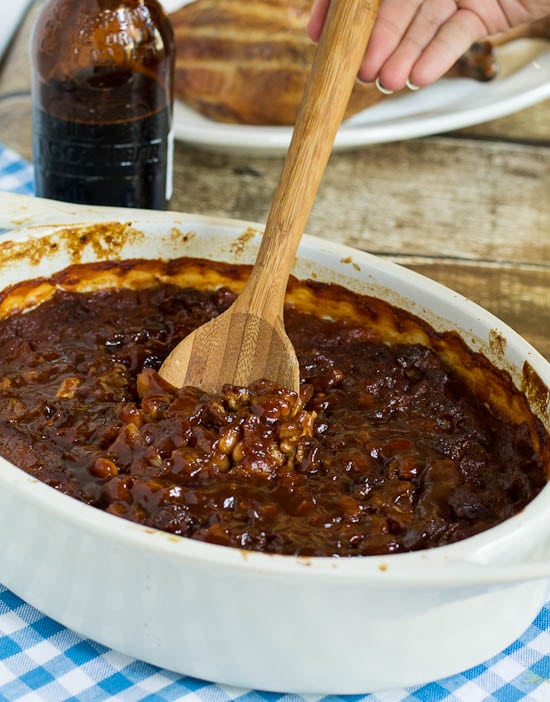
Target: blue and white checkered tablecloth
41,660
15,173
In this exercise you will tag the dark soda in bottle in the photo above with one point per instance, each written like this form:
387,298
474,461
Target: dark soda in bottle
102,102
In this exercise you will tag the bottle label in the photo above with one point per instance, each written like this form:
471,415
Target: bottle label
124,164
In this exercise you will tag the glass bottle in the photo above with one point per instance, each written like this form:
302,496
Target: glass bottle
102,86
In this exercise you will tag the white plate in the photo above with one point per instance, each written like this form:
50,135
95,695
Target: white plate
12,14
524,80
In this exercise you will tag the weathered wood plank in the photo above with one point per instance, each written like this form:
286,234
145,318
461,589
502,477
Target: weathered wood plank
436,196
16,123
518,295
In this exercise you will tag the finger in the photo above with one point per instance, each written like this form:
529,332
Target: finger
391,24
431,16
453,39
317,19
496,15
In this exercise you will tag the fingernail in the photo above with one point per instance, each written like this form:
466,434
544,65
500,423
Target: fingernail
412,86
381,88
360,81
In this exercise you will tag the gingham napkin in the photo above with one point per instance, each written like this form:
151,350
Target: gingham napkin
41,660
15,173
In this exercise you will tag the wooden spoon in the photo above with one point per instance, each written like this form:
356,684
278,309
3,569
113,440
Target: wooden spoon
248,341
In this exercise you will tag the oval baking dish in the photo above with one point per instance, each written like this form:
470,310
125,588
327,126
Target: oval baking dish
283,623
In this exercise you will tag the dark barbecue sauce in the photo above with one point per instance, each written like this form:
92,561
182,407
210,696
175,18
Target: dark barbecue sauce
385,451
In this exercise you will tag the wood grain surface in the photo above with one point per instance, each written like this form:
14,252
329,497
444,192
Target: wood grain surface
470,209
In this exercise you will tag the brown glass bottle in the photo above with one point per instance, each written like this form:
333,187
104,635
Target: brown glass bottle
102,102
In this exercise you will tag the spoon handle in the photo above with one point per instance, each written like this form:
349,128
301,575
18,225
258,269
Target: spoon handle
337,60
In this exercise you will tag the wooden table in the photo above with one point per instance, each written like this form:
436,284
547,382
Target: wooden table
470,209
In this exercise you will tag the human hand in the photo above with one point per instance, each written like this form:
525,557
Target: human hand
415,42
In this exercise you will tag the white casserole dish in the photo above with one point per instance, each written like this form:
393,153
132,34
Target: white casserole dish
304,625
